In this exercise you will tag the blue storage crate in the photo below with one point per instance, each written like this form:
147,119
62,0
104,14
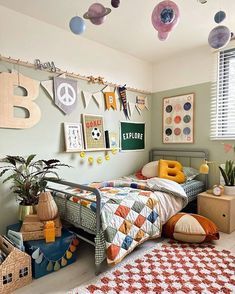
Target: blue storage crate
50,257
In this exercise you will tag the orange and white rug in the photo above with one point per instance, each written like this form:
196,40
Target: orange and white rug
169,268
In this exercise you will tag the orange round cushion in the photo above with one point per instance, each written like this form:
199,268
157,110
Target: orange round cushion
191,228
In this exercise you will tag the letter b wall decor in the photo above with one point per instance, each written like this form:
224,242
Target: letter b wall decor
9,101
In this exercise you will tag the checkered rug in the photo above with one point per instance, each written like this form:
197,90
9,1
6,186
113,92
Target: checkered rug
170,268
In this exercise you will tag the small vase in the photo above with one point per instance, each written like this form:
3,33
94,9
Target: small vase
47,208
229,190
26,210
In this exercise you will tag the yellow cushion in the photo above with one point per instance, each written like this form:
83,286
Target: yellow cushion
171,170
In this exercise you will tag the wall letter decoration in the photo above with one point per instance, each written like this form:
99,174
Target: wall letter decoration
8,101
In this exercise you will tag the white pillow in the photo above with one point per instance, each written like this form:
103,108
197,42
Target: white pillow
150,170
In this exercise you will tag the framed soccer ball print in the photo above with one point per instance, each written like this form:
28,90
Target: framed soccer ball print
178,119
93,126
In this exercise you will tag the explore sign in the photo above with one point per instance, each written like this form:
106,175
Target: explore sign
132,136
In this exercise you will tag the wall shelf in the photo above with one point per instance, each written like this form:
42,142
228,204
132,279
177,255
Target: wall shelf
94,150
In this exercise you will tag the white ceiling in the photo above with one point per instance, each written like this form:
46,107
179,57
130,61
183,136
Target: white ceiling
128,28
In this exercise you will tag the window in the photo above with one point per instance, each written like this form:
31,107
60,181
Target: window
7,279
23,272
223,99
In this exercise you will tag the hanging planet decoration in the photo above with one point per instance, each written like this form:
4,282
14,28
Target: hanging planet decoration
77,25
165,17
115,3
220,16
96,13
219,37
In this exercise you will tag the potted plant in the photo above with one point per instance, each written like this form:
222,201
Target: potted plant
228,174
29,179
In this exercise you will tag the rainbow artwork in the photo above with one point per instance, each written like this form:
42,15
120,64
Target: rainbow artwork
178,118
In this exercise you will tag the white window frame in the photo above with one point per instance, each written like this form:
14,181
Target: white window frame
223,97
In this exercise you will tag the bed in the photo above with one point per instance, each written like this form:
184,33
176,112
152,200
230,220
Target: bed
88,209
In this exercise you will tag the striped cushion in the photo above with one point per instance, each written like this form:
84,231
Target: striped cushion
191,228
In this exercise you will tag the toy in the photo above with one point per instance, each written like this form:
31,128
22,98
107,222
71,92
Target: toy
49,231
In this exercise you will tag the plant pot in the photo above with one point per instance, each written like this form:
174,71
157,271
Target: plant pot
47,208
26,210
229,190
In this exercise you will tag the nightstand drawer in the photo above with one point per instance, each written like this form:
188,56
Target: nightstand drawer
219,210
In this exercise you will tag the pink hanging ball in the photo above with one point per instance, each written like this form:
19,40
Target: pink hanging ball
165,17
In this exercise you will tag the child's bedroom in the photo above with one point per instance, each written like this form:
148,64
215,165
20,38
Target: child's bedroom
117,151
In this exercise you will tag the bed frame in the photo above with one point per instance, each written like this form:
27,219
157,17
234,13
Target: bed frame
191,158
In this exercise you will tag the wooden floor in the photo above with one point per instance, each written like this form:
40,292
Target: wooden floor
83,269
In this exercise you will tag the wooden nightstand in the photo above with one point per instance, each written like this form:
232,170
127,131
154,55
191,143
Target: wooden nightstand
219,209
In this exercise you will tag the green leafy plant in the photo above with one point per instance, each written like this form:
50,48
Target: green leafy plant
29,177
228,173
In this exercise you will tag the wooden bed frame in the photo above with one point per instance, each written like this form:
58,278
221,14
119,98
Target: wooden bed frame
192,158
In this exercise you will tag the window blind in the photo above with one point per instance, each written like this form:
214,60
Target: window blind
223,98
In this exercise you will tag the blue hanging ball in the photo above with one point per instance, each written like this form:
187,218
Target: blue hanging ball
77,25
219,16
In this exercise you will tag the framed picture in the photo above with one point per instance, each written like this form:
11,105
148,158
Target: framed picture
73,136
93,126
178,119
113,140
132,136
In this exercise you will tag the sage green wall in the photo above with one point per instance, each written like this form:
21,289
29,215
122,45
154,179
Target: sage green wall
201,126
46,139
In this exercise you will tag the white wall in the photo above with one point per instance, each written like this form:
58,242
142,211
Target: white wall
27,38
184,69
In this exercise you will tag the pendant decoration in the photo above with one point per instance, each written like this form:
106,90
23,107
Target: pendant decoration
36,253
39,259
123,97
50,266
56,266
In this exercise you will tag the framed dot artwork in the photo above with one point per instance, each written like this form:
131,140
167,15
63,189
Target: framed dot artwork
178,119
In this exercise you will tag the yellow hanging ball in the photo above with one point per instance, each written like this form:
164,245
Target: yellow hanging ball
99,160
90,159
114,151
107,157
82,154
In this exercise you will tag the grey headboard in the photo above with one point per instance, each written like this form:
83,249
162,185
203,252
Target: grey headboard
190,157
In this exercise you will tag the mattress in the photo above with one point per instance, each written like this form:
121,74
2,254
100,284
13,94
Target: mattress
193,188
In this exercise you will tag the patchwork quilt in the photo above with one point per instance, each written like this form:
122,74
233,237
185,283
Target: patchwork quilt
130,212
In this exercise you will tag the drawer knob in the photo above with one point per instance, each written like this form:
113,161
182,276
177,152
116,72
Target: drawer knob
224,215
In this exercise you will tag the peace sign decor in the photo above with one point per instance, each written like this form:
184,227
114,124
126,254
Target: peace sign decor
65,91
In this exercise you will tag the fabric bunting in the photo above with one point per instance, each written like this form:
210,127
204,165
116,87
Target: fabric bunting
123,97
55,265
131,107
99,97
141,104
87,98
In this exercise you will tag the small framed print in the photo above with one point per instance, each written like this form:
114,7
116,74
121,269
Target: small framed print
93,126
73,137
113,140
178,119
